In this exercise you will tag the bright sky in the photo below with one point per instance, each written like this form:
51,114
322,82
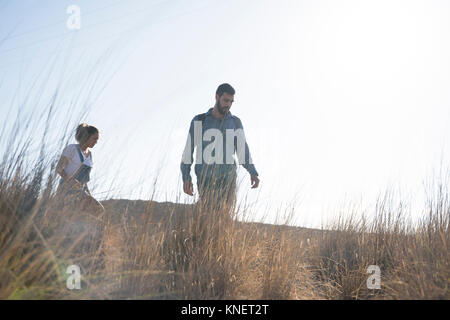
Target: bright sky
339,99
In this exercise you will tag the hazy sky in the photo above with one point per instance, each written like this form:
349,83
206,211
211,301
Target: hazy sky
339,99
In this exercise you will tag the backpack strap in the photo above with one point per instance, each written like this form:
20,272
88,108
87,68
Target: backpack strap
235,120
81,155
201,117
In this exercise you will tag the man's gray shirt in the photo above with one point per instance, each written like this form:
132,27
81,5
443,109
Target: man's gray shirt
224,168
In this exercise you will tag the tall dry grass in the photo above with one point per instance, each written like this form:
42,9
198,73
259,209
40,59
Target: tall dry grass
413,258
203,252
199,252
195,252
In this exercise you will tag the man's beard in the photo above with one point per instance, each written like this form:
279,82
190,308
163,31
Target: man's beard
220,108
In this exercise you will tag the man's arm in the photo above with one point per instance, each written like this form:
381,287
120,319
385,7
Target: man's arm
187,160
246,159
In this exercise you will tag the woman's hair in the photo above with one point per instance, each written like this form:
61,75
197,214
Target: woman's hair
84,132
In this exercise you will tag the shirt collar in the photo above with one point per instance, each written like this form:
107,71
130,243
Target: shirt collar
209,113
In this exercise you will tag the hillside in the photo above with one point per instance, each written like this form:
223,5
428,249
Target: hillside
163,212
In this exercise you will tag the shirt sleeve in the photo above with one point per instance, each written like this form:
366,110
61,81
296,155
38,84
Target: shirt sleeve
188,159
246,159
68,152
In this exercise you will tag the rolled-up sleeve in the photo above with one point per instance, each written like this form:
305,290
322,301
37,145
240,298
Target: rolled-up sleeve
188,159
246,161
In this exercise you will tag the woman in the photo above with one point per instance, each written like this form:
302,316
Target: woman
75,166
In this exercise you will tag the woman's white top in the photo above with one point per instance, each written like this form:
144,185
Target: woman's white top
71,153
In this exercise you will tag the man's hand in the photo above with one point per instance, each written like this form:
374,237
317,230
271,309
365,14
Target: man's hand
254,180
188,188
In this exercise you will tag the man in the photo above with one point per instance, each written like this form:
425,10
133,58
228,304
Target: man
217,135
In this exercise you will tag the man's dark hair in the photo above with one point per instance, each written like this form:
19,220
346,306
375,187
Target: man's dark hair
225,87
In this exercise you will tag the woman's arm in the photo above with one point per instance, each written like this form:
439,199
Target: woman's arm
62,163
88,191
